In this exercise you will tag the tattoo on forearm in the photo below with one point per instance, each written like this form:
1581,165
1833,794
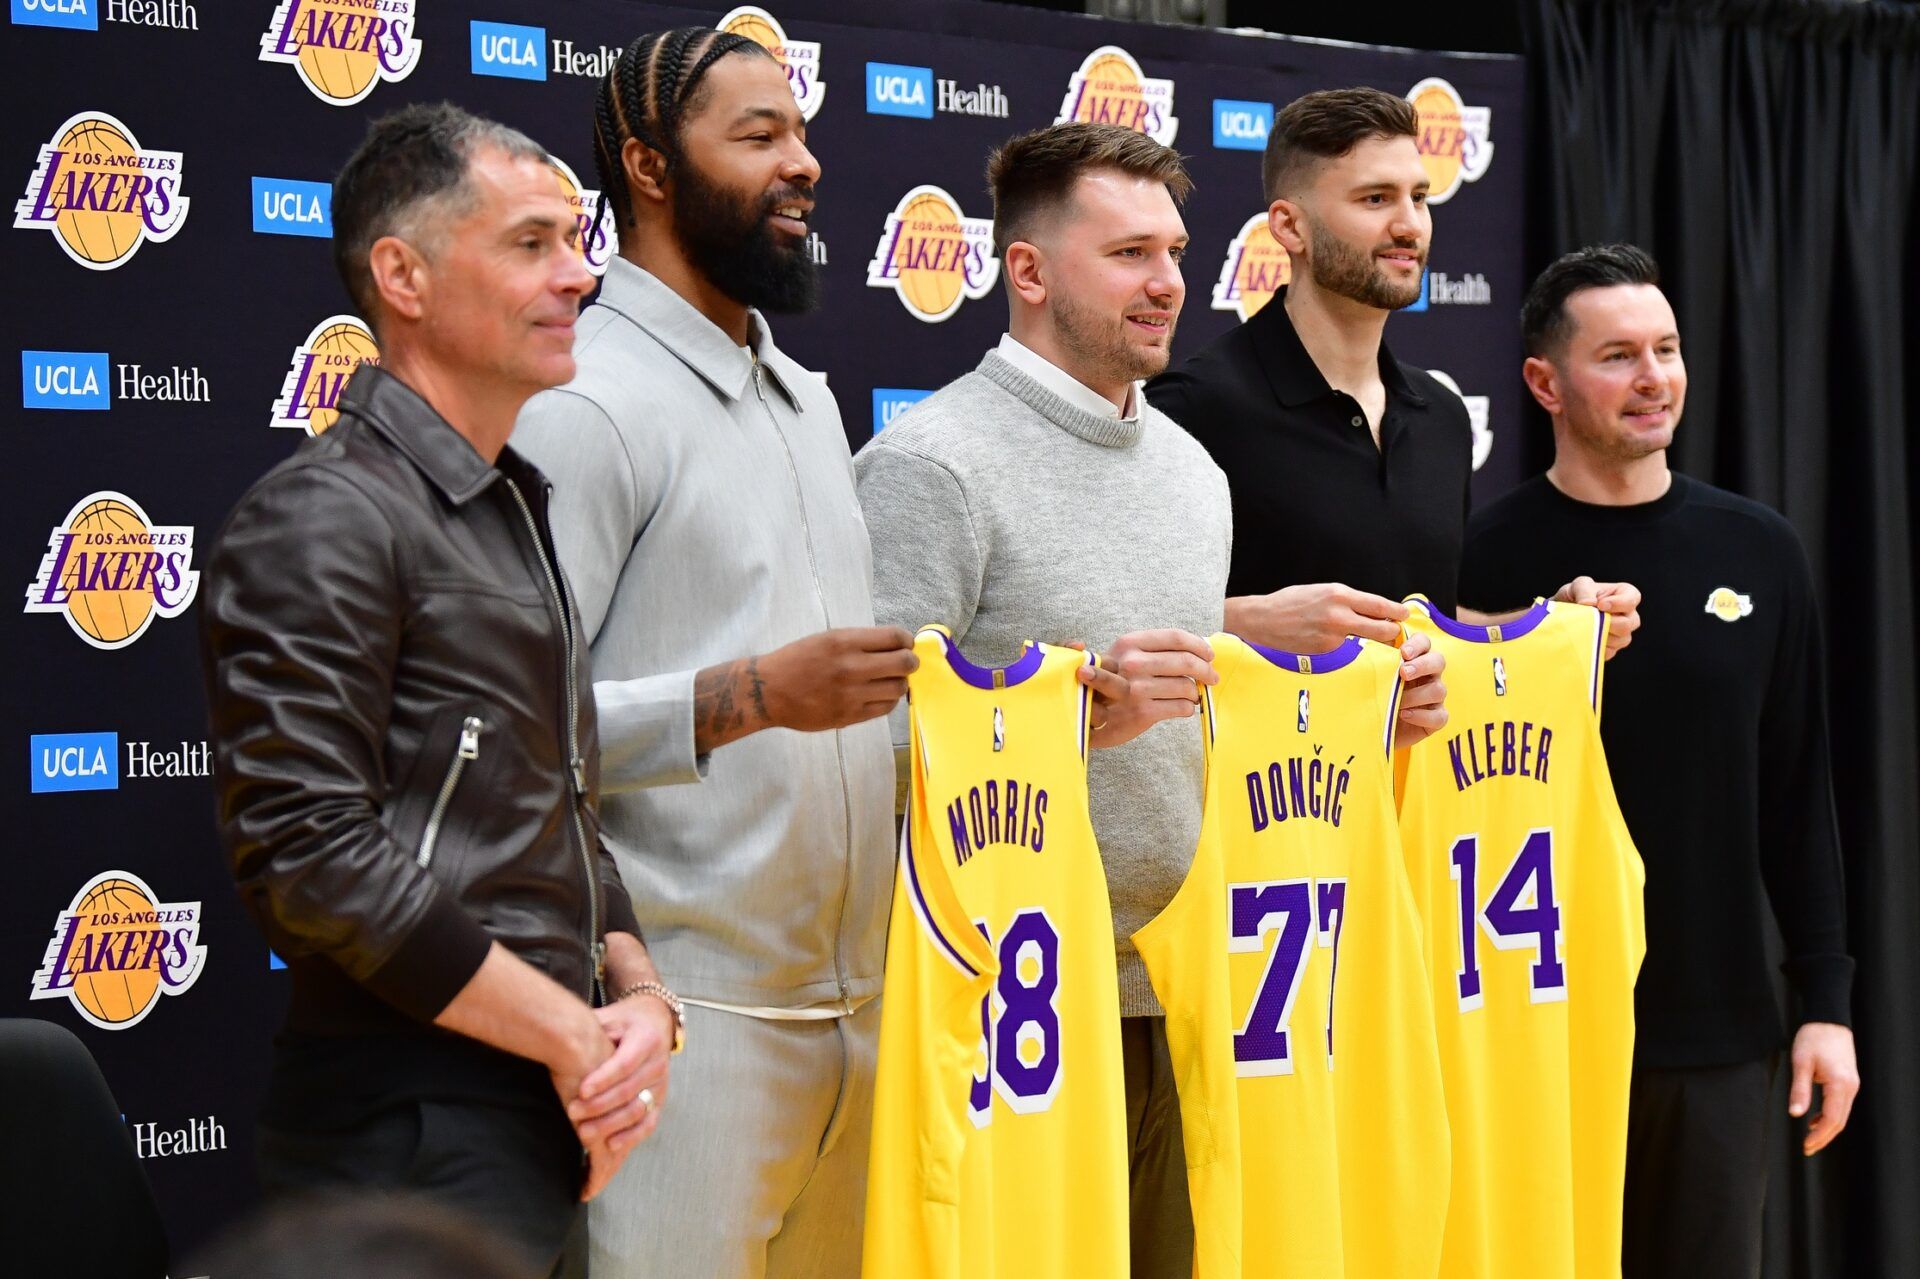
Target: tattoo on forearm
757,689
716,716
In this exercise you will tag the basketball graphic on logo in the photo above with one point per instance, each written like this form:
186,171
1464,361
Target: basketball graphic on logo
117,948
100,193
932,255
756,27
1110,76
1257,265
1110,88
933,224
1455,140
1441,135
107,235
337,351
112,996
343,48
107,615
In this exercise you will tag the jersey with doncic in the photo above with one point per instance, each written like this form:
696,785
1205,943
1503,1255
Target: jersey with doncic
1530,889
999,1129
1291,969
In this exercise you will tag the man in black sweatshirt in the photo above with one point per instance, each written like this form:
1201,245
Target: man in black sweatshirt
1716,736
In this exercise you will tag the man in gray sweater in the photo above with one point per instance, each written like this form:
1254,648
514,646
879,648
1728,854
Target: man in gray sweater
1041,497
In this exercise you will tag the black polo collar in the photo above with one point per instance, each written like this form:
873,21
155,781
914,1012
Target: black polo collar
411,425
1295,378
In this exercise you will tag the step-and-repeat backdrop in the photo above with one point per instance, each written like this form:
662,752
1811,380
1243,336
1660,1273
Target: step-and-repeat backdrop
180,329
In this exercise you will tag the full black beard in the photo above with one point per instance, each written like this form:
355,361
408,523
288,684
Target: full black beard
731,243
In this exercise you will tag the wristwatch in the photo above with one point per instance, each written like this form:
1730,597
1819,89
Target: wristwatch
671,1000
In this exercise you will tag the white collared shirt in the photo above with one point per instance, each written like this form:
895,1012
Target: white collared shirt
1064,384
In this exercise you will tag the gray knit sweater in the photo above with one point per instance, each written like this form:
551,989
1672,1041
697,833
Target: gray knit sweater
1007,514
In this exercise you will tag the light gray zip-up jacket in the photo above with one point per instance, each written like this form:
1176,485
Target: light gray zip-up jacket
704,510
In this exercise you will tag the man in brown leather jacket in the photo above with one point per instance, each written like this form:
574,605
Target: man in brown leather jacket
404,737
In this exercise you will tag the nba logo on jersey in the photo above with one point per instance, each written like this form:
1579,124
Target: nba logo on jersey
999,730
1499,678
1302,723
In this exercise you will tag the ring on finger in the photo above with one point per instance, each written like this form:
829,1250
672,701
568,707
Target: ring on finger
646,1099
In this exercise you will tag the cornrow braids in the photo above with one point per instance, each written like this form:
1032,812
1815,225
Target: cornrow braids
645,96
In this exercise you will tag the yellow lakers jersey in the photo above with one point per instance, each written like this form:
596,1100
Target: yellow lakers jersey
999,1127
1290,966
1529,887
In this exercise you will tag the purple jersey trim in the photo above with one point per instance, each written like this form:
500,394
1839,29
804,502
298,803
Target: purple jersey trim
982,676
1599,656
925,914
1314,663
1483,634
1393,710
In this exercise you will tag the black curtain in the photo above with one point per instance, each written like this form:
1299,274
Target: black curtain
1767,154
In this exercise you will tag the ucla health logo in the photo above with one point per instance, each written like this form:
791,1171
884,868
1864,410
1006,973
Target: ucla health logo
893,89
343,48
59,762
85,15
79,15
63,380
310,393
101,193
117,948
1479,417
501,49
801,58
1257,267
1241,126
110,570
1110,88
599,239
1455,139
933,256
889,402
285,206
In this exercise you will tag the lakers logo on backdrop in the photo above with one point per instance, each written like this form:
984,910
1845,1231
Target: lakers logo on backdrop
933,256
343,48
101,193
1110,88
111,571
310,395
598,240
1456,140
1256,267
801,58
1479,417
118,948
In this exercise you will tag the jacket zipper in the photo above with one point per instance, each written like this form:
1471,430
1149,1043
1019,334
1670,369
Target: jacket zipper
469,749
839,747
576,766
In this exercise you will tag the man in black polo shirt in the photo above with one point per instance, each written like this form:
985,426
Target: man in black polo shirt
1716,735
1345,465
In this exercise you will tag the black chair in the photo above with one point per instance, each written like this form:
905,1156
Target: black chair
74,1199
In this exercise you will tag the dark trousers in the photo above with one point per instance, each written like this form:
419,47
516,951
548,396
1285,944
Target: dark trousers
515,1170
1696,1171
1161,1238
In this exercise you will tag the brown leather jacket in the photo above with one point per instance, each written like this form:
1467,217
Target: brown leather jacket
404,741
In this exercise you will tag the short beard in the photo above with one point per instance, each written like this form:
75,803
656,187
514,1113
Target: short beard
1341,269
730,242
1101,343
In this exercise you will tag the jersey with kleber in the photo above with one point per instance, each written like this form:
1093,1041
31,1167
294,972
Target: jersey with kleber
999,1131
1530,889
1290,965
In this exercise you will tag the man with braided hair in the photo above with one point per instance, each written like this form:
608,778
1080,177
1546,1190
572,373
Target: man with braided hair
704,509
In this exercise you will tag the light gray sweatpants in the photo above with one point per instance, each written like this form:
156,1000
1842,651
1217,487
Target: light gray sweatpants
759,1165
